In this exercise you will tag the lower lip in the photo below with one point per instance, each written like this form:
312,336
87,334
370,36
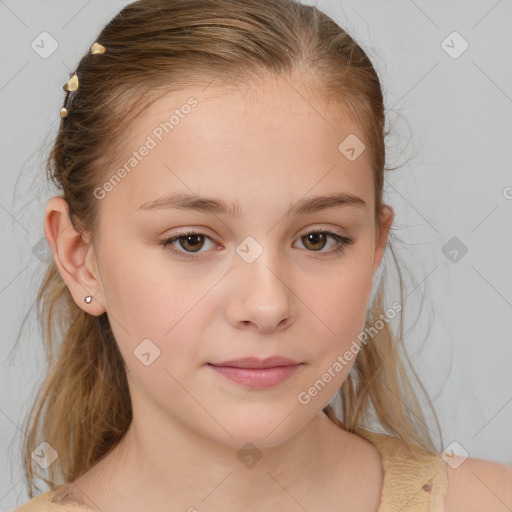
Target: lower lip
257,377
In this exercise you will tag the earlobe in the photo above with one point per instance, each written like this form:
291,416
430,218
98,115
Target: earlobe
70,254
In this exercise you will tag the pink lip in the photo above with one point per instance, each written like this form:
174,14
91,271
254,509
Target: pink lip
257,377
254,362
257,373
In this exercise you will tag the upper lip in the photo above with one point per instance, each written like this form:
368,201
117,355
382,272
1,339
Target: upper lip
254,362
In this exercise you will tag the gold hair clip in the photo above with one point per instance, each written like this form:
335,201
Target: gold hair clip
72,83
69,86
97,48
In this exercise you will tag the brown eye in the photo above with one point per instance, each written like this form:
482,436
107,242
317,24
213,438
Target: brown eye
315,241
191,243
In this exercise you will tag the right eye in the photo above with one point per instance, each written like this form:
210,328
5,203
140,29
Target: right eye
189,241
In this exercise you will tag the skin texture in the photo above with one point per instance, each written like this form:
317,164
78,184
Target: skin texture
266,149
478,485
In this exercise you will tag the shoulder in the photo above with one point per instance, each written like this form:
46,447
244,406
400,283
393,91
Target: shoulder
478,485
49,502
413,478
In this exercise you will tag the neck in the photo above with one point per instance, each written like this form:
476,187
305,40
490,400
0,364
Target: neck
157,464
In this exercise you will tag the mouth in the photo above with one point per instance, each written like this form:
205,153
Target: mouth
257,377
256,363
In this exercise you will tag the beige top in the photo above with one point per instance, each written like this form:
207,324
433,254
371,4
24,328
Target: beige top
414,480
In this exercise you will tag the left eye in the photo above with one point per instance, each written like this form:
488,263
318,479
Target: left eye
192,242
313,237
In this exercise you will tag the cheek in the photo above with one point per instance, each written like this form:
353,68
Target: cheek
151,311
340,297
145,294
339,305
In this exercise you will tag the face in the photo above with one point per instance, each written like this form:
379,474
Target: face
245,280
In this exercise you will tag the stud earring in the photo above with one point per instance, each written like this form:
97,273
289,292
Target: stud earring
88,299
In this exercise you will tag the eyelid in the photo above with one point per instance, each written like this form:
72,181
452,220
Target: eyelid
315,228
201,230
181,232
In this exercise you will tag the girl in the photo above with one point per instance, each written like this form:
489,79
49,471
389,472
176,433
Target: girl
224,343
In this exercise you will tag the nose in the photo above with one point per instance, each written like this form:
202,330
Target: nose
262,294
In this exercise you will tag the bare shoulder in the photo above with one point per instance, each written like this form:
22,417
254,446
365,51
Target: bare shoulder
478,485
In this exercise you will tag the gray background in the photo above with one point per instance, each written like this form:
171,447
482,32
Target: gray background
451,117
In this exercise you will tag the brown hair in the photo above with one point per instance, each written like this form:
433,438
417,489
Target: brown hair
154,47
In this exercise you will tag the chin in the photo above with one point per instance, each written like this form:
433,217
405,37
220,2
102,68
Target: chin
263,431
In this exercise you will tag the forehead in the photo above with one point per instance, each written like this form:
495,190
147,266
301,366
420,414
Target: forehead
274,138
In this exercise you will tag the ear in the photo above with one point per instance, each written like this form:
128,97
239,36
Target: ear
75,258
387,217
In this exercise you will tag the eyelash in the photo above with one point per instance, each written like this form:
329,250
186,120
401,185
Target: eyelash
342,241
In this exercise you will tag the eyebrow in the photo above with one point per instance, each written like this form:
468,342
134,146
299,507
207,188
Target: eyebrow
232,208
